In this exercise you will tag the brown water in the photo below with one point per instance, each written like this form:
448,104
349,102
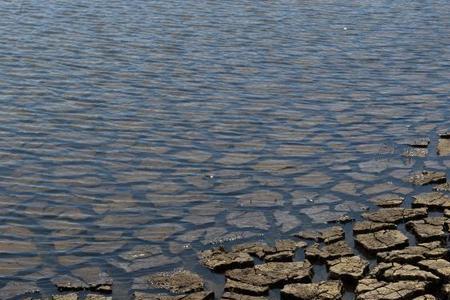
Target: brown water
176,125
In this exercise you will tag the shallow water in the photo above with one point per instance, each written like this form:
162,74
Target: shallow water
180,124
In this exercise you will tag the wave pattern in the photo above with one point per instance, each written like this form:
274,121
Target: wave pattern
165,126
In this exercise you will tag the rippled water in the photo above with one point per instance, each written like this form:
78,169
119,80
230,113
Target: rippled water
177,124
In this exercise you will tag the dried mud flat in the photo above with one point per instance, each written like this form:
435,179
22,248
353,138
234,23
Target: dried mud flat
398,251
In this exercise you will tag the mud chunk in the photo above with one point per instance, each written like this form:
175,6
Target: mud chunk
179,281
425,297
299,271
328,252
342,220
327,235
428,229
396,272
257,249
205,295
444,134
280,256
288,245
235,296
383,240
367,226
443,148
309,235
440,267
245,288
413,254
285,250
350,267
432,200
395,215
427,177
444,187
446,290
325,290
219,260
373,289
71,296
97,297
273,273
389,200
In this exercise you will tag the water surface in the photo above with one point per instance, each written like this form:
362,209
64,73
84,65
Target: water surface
176,125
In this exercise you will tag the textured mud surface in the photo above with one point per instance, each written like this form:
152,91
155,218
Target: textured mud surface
392,252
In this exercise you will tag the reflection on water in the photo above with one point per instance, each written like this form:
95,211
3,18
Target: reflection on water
134,134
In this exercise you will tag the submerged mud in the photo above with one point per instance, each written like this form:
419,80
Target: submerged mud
392,253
